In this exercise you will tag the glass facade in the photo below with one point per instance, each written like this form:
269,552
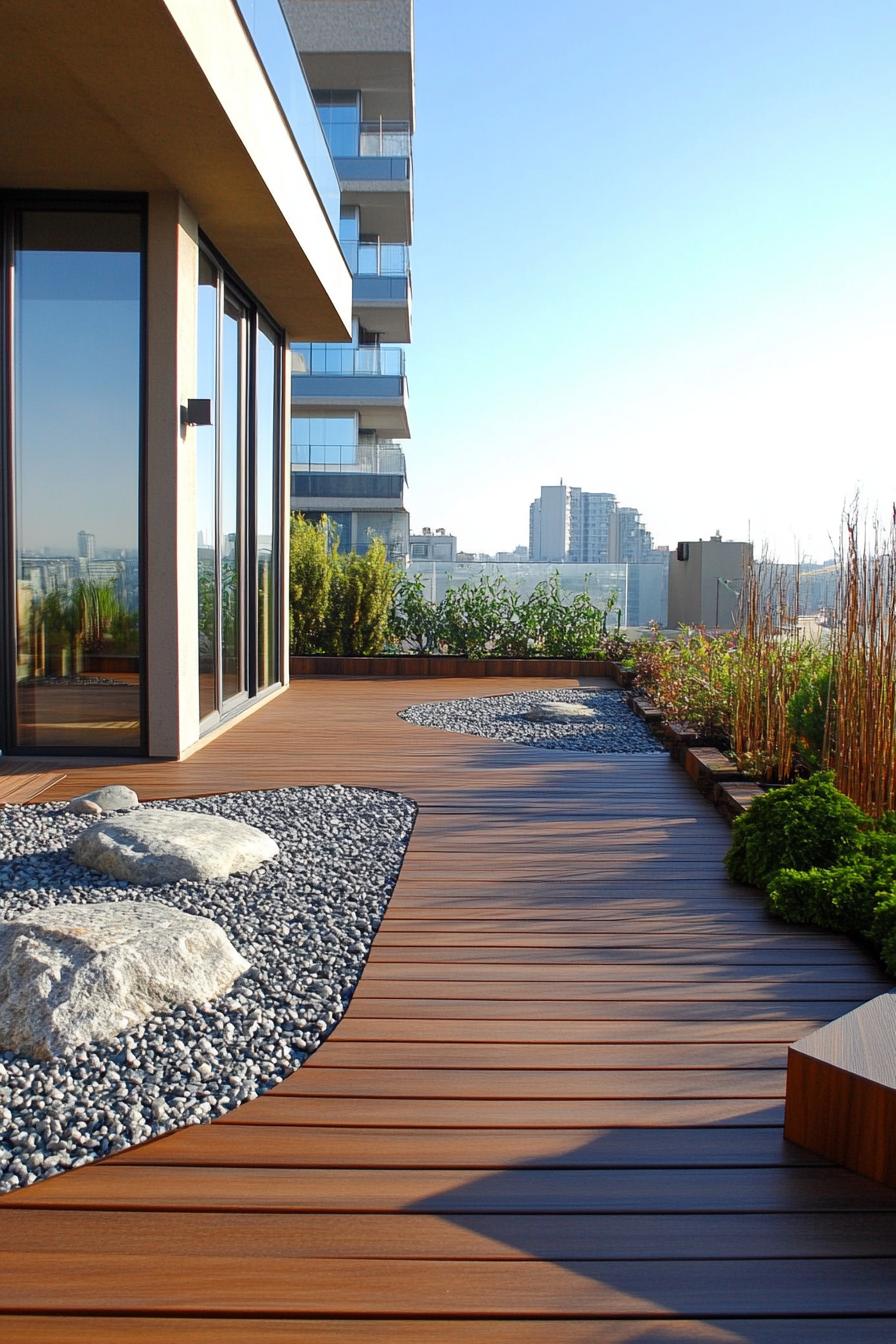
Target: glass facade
238,468
207,486
267,502
77,338
321,441
340,116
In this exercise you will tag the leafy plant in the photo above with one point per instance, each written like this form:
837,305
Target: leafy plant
809,711
843,898
809,824
339,604
688,677
360,601
310,579
415,621
883,929
489,618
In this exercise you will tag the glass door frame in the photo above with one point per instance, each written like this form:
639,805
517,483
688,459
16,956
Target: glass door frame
230,287
12,204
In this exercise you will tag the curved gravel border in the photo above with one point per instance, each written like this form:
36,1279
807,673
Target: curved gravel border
304,921
616,730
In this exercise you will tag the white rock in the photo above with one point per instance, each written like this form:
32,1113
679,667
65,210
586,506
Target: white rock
560,711
110,798
84,807
72,974
154,846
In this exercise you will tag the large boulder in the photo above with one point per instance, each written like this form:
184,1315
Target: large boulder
560,711
154,846
78,973
110,798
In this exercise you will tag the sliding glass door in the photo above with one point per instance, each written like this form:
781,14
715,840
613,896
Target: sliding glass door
75,476
238,496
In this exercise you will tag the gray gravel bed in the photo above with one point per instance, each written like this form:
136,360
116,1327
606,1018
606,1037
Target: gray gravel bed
617,729
304,922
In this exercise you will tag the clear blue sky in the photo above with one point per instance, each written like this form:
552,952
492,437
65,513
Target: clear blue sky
655,253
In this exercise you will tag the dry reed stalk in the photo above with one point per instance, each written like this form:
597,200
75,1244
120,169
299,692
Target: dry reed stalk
863,717
766,671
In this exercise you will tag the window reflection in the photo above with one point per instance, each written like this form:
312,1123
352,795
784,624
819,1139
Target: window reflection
77,478
340,117
206,486
233,679
266,493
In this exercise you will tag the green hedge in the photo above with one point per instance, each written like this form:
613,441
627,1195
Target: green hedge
821,861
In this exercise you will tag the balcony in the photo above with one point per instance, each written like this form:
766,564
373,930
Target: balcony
379,177
367,378
378,459
381,293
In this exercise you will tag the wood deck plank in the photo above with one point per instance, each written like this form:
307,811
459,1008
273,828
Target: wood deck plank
555,1100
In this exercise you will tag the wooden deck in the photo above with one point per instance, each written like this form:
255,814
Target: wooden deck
551,1115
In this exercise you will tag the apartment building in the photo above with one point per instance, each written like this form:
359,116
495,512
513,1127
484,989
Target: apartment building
568,524
350,398
171,223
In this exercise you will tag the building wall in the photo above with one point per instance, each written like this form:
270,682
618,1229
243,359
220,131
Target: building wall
704,585
170,563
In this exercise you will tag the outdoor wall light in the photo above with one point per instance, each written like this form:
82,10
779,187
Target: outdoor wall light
198,411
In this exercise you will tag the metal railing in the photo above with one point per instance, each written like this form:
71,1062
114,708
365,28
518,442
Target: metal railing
368,459
348,361
385,140
377,258
276,50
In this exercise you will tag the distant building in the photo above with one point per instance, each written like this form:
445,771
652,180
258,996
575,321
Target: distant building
574,526
429,545
705,582
86,545
350,398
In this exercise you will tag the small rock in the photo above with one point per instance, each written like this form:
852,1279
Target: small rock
84,807
155,846
110,798
559,711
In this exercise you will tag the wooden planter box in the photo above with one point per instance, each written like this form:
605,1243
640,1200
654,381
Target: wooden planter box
442,665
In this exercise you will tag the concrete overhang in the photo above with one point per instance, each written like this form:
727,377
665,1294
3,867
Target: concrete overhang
386,207
155,95
359,44
387,415
383,304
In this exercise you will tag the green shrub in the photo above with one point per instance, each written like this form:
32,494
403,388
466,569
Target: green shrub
360,602
310,580
489,618
804,825
842,898
883,928
338,604
807,714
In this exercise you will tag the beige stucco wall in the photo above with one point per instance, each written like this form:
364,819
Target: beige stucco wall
170,554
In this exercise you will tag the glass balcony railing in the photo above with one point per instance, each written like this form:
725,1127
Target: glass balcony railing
276,50
373,459
385,140
348,361
377,258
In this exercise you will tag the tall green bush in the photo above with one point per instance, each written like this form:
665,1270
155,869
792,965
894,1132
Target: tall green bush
804,825
360,603
311,549
338,604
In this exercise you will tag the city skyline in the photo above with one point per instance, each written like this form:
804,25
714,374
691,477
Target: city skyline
710,333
